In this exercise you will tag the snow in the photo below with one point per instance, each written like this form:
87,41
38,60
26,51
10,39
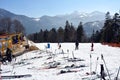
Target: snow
37,61
96,13
83,14
36,19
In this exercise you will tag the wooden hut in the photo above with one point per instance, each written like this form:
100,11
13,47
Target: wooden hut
12,41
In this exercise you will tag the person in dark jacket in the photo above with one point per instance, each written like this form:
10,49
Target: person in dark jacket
102,72
76,45
9,54
59,46
92,45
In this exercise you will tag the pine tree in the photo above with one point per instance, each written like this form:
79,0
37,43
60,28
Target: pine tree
67,32
93,36
72,33
45,36
52,36
60,34
116,27
97,36
107,16
80,32
107,32
40,36
35,38
110,31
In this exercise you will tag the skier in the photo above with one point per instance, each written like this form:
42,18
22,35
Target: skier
9,54
59,45
48,45
102,72
92,45
76,44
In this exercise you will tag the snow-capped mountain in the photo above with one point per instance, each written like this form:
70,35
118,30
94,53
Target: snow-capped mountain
90,26
33,25
36,19
5,13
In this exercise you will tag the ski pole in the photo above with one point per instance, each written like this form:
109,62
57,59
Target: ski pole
53,56
68,52
73,55
117,73
63,53
96,64
13,66
90,65
105,66
74,59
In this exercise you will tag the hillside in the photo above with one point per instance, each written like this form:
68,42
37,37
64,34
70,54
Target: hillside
39,63
33,25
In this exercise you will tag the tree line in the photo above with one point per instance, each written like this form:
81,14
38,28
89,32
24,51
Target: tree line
67,34
7,25
110,32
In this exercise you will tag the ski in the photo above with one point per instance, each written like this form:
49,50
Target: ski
67,71
90,77
93,76
2,72
15,76
75,59
72,66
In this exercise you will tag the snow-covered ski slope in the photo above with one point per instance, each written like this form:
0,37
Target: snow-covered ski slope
46,64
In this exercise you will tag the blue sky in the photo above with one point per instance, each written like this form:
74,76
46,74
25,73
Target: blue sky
38,8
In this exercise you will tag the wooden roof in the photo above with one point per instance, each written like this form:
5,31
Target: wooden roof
3,36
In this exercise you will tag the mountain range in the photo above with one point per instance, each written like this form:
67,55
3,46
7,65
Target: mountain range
94,20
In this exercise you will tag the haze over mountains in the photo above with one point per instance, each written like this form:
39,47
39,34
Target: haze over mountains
94,20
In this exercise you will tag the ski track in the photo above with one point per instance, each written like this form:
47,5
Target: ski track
39,59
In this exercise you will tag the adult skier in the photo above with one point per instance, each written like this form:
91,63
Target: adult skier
102,72
92,45
76,45
59,46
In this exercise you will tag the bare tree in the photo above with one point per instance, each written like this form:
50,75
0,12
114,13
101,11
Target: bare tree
18,27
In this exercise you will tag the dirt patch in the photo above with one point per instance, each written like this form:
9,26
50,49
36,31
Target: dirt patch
112,44
31,48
